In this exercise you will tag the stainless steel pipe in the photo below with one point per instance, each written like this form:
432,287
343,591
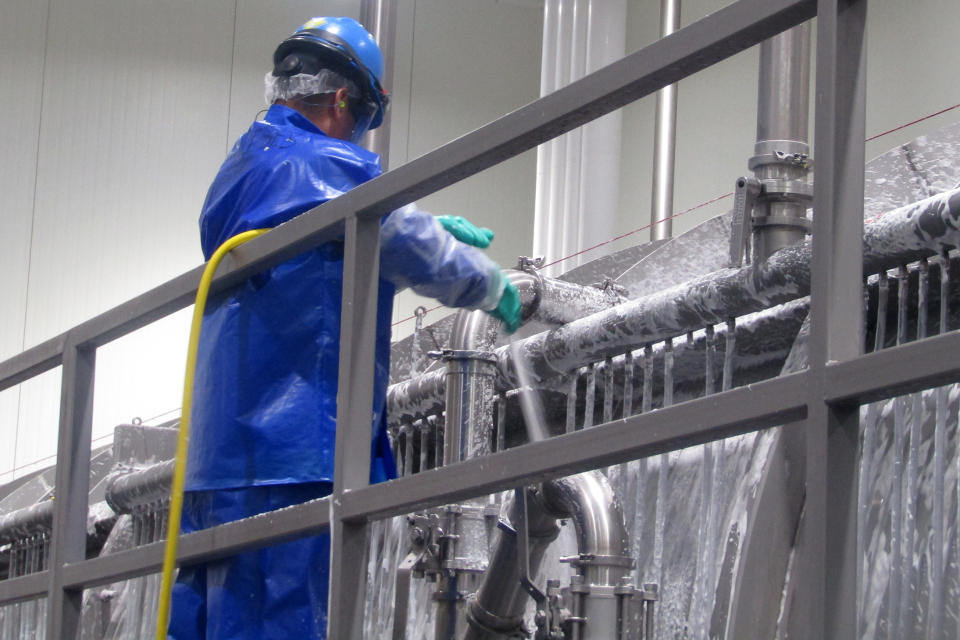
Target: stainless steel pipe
903,235
127,490
603,561
380,19
918,230
781,153
471,362
664,138
546,300
602,540
496,610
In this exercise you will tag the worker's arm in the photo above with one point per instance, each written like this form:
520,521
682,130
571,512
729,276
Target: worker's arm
417,252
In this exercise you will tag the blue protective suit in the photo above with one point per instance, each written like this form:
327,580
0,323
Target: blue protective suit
266,382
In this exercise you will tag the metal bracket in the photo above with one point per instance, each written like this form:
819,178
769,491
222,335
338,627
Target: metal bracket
530,265
745,196
401,601
523,552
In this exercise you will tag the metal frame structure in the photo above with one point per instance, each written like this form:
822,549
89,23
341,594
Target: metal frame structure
822,400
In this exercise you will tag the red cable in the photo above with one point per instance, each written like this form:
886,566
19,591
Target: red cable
880,135
702,204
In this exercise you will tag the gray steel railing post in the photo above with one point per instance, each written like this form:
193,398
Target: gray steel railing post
69,539
358,338
827,592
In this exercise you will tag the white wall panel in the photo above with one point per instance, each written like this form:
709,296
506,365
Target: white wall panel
35,441
133,125
126,150
911,68
22,28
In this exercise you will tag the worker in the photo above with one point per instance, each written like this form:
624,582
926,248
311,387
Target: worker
265,411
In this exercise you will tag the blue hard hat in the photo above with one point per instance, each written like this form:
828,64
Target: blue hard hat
344,46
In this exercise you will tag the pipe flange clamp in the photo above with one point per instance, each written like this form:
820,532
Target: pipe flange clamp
783,221
596,560
491,623
777,189
448,355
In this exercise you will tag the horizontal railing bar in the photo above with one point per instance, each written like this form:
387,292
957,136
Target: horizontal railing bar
692,49
758,406
741,410
273,527
895,371
28,587
30,363
871,377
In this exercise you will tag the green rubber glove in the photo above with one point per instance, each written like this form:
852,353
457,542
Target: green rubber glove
464,231
508,309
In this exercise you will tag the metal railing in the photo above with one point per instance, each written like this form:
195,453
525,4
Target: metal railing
826,396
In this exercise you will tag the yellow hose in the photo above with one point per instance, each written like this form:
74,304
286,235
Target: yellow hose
183,440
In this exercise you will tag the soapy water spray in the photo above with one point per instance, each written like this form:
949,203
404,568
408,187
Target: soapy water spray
530,402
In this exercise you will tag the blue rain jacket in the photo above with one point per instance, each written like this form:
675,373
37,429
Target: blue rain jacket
266,382
274,593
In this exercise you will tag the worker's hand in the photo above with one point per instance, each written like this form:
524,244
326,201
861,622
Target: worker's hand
508,309
464,231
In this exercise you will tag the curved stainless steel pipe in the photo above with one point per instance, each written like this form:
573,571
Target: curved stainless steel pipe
471,371
547,300
602,544
472,366
496,611
602,540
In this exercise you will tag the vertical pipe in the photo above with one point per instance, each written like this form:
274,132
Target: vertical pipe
408,436
380,19
608,390
501,422
440,437
543,224
709,359
601,141
908,604
665,138
782,125
627,385
577,176
729,352
572,403
784,86
647,402
702,603
864,488
937,587
570,181
424,444
661,506
591,395
897,553
668,372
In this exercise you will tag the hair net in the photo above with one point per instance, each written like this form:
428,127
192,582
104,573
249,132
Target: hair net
304,84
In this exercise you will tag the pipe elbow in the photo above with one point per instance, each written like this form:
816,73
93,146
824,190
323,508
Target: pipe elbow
597,515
